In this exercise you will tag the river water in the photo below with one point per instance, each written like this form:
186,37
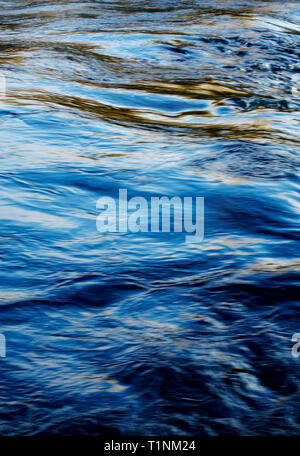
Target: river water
142,333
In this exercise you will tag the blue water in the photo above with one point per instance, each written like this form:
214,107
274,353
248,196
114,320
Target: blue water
143,333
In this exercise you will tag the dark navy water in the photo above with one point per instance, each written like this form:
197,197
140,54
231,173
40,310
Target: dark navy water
143,333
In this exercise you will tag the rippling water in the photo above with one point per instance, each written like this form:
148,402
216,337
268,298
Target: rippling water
143,333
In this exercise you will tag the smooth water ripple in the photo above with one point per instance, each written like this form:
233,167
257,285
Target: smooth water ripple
143,333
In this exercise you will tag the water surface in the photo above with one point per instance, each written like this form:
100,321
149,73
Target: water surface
143,333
